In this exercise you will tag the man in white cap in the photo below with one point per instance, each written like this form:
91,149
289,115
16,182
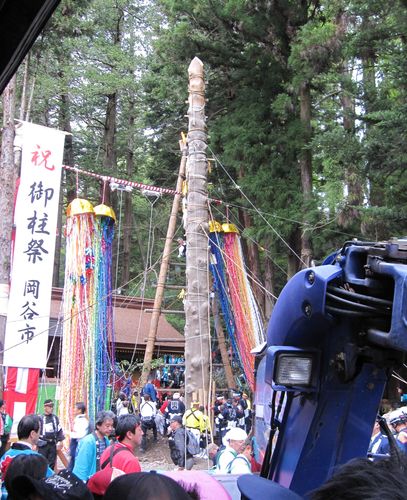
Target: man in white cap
235,443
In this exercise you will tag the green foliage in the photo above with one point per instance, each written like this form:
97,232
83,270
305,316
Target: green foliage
257,56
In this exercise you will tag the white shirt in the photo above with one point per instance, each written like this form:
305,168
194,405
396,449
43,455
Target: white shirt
225,457
240,465
80,427
148,409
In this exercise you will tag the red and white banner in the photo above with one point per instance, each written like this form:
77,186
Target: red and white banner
36,215
20,391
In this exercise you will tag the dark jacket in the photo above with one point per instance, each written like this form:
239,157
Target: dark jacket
177,445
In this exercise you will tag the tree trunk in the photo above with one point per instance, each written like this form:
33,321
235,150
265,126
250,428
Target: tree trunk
253,262
7,188
23,100
128,200
269,286
64,124
197,339
353,180
293,264
306,170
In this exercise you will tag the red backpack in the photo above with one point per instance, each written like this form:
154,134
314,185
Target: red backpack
99,482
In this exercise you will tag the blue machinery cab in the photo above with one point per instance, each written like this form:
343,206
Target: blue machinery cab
336,333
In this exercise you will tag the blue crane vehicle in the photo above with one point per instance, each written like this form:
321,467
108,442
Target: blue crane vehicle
336,334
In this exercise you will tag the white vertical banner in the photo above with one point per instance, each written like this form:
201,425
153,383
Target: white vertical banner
36,215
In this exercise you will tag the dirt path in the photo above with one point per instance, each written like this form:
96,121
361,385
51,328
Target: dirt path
157,456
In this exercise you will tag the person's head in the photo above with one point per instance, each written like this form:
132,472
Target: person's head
128,430
213,449
2,406
122,396
236,439
361,478
147,397
195,405
33,465
48,406
247,449
80,408
175,422
176,395
104,422
148,485
28,428
398,419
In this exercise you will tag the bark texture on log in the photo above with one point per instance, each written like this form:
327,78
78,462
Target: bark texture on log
197,341
7,188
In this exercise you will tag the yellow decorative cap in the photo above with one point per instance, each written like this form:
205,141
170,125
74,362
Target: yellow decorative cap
79,206
105,211
215,226
230,228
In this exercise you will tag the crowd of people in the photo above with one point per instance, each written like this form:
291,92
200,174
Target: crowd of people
103,457
101,452
396,422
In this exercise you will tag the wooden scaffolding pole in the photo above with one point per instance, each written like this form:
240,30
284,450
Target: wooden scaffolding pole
197,340
159,293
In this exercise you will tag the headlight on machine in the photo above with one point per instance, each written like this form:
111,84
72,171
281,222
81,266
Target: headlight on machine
292,369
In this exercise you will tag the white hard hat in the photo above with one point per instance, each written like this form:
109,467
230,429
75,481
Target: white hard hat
236,434
398,416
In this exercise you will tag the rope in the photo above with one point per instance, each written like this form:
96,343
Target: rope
257,210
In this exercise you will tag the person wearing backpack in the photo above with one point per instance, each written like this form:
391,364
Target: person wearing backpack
242,463
119,458
148,411
92,446
234,444
178,443
193,419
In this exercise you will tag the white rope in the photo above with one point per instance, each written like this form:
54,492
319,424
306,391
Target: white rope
257,210
237,223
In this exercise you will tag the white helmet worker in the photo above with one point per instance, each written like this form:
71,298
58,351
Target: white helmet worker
237,436
235,442
398,417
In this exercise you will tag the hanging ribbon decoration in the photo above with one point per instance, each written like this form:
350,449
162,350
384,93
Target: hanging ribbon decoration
220,286
77,352
240,310
103,336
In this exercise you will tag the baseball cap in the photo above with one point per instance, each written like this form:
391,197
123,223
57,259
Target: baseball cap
65,484
253,487
176,395
176,418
